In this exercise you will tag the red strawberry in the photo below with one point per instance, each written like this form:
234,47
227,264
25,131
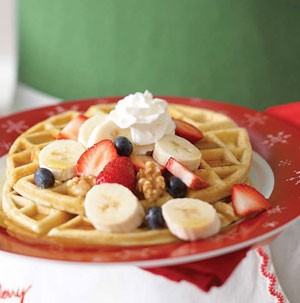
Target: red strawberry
121,171
94,159
71,130
246,200
187,131
139,162
187,177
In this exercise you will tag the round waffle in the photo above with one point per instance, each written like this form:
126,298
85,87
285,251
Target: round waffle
55,215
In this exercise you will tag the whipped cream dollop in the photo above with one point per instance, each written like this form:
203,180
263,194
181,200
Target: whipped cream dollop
147,117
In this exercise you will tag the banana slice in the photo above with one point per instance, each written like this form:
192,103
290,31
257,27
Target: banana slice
112,207
61,157
88,126
178,148
107,130
142,149
191,219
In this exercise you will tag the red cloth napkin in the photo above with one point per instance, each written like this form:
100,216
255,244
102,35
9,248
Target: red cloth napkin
215,271
204,274
287,112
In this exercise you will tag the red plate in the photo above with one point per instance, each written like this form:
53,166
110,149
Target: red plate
275,141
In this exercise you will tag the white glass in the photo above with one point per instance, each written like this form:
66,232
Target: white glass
8,54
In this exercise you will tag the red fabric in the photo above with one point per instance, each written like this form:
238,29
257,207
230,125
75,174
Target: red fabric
215,271
287,112
204,274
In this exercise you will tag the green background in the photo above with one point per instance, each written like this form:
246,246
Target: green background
236,51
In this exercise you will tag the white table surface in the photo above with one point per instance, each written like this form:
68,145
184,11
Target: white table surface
285,250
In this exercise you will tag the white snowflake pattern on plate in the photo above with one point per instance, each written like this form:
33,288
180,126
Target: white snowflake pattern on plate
284,163
270,224
196,101
280,137
231,234
4,146
275,210
224,112
144,253
253,119
295,178
60,109
14,127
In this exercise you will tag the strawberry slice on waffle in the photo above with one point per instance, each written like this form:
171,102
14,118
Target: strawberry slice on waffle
246,200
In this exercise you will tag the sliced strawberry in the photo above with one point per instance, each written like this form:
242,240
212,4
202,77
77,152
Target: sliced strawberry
188,131
139,162
71,130
121,171
246,200
187,177
94,159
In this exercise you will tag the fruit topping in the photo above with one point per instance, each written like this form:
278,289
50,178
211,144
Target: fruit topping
139,161
113,208
246,200
191,219
124,146
106,130
190,179
178,148
143,149
88,126
119,170
44,178
154,218
95,158
187,131
61,156
71,130
176,188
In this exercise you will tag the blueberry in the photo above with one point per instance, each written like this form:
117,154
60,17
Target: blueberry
154,218
44,178
124,146
176,187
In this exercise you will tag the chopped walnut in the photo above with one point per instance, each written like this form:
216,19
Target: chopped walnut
150,182
80,186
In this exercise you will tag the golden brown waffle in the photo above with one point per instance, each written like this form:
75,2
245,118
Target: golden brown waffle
33,222
2,217
226,160
57,196
203,119
23,154
55,215
30,215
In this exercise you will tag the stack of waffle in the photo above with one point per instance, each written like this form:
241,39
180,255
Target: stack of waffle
53,215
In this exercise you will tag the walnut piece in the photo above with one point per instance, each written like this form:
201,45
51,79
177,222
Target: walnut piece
80,186
150,182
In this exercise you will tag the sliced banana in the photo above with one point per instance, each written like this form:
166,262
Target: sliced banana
107,130
180,149
88,126
61,157
191,219
112,207
142,149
